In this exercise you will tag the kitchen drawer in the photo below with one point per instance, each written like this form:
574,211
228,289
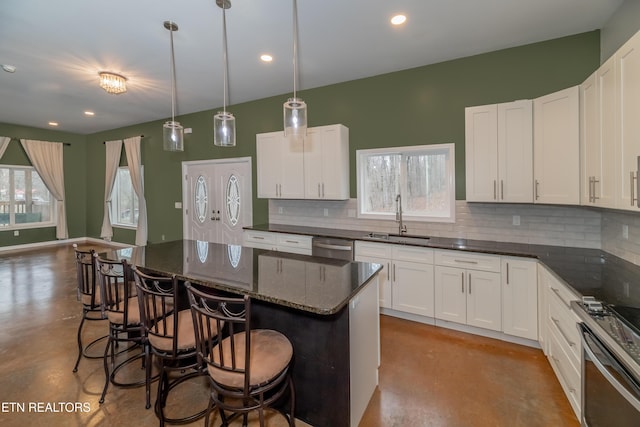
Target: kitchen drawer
412,254
561,291
295,241
567,374
259,237
468,260
370,249
563,323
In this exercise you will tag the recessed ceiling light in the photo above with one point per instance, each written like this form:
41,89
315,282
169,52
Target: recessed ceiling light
89,113
398,19
266,58
53,123
9,68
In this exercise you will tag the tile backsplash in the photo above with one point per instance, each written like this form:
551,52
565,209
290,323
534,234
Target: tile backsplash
538,224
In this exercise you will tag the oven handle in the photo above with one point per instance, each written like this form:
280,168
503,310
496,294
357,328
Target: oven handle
599,364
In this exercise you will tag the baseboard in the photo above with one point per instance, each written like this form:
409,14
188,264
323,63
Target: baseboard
51,243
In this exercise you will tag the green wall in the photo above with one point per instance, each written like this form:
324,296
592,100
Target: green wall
423,105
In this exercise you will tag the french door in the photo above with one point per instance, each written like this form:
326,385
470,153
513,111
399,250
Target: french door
217,199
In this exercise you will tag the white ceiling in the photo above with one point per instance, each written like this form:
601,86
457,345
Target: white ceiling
58,47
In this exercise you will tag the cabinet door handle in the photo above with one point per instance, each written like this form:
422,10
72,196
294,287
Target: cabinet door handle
323,190
631,179
590,189
318,189
469,284
394,272
595,181
501,189
258,237
388,272
536,190
557,292
462,281
507,273
495,197
464,261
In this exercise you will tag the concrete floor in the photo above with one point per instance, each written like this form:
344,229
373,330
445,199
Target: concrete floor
429,376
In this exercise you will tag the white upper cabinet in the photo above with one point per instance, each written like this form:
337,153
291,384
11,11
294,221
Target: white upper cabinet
499,152
556,147
627,62
314,167
598,137
326,162
279,166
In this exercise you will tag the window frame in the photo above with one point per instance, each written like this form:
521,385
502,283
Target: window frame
447,148
115,201
12,202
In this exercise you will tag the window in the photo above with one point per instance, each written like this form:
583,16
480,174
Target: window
25,201
424,177
124,201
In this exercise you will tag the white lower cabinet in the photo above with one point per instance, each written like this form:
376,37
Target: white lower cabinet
470,295
294,243
406,282
561,337
520,297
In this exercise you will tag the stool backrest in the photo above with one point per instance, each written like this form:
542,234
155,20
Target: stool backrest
114,278
158,299
86,277
231,316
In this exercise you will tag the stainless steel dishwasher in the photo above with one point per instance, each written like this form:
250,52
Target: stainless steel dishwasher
329,247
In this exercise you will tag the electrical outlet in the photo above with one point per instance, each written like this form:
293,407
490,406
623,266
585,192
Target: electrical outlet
625,231
326,212
280,210
178,205
351,213
162,237
516,220
16,233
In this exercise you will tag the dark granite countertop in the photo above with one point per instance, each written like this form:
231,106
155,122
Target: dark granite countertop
588,271
313,284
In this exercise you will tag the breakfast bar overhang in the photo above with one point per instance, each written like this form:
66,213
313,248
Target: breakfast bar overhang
327,308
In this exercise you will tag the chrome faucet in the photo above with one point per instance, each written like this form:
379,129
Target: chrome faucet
401,228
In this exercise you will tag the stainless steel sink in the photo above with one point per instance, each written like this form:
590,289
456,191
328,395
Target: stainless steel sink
397,238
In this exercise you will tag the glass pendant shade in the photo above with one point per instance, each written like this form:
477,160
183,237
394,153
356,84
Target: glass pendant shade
224,129
172,136
172,131
295,117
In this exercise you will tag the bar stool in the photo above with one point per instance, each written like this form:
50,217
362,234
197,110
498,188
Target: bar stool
170,336
89,296
120,305
249,369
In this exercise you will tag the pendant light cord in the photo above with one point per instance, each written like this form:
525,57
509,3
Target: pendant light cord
173,76
225,60
295,46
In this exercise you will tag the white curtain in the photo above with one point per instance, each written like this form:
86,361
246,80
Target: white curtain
46,158
134,161
113,148
4,143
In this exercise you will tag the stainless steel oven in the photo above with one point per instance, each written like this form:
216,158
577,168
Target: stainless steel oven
610,367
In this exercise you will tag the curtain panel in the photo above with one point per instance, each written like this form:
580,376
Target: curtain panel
4,143
114,149
46,157
134,161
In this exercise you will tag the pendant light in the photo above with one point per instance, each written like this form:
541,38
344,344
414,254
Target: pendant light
224,124
295,109
172,131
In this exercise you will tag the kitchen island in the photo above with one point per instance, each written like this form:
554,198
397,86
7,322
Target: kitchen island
327,308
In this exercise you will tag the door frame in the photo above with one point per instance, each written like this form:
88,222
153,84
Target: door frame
185,190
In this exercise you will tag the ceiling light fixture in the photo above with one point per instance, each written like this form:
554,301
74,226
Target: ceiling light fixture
295,109
89,113
266,58
112,82
224,124
9,68
398,19
172,131
53,123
